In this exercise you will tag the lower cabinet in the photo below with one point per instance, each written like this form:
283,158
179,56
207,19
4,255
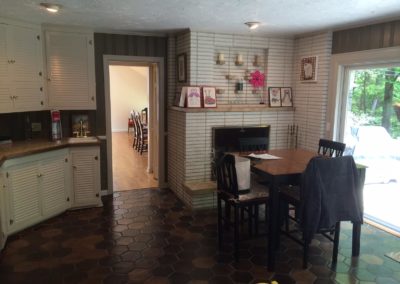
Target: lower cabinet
36,187
86,176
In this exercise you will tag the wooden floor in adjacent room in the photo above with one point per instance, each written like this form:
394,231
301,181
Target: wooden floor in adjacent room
129,167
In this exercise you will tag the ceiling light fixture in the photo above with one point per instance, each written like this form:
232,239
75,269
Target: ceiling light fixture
252,25
52,8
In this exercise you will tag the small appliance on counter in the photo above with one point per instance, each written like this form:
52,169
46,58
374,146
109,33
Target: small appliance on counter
56,130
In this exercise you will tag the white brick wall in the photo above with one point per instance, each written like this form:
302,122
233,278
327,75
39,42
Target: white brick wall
190,134
310,99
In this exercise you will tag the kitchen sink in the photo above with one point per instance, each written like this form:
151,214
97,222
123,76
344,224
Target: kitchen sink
90,139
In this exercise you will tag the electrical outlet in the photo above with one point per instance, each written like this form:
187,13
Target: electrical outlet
36,126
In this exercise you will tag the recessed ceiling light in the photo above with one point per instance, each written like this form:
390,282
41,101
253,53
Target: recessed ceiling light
52,8
252,25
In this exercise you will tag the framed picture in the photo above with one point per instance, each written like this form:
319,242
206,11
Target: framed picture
308,72
274,96
182,97
182,72
209,97
193,97
286,97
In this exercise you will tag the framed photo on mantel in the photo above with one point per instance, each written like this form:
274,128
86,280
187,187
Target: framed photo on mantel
274,94
182,68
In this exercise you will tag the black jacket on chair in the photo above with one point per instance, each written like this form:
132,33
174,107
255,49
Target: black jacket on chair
330,192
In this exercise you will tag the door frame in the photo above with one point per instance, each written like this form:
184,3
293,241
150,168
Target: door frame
157,115
340,64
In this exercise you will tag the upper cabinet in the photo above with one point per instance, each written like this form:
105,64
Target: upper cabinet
70,70
21,69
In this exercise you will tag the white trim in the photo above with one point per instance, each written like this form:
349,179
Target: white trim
347,61
160,111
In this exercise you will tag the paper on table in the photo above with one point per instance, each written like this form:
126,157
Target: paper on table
264,156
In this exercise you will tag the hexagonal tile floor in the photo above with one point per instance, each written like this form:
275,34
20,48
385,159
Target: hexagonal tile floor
149,236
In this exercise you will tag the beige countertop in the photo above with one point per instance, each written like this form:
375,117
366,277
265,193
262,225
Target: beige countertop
29,147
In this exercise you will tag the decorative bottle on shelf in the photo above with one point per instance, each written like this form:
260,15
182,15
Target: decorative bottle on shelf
239,86
56,130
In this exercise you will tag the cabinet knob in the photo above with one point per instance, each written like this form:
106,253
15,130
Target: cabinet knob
96,158
41,89
67,199
38,37
40,73
41,102
11,221
97,195
66,160
74,167
48,79
92,98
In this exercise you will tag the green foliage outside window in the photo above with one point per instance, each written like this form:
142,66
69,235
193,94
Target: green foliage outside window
375,94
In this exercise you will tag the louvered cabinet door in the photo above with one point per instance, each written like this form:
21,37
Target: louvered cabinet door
6,101
70,67
54,185
86,176
23,195
25,51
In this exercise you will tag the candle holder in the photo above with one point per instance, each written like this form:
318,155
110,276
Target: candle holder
239,60
221,59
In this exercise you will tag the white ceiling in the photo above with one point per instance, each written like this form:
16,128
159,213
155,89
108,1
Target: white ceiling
278,17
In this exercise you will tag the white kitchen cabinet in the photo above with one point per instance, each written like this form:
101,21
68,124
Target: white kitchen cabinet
86,176
36,187
21,69
70,70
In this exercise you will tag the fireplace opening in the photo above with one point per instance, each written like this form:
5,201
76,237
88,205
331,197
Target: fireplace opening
232,138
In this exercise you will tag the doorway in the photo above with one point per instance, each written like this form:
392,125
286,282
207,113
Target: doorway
134,83
370,127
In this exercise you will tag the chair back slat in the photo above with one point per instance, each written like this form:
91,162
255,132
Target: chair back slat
331,148
226,175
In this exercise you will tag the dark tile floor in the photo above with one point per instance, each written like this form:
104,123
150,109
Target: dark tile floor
149,236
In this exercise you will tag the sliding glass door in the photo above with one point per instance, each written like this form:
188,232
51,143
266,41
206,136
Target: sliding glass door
370,127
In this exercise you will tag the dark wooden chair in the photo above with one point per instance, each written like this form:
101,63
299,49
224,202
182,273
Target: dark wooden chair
331,148
253,144
143,136
324,201
291,194
228,193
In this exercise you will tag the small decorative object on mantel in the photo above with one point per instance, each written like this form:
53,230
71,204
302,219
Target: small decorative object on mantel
257,80
274,96
209,97
308,72
239,60
221,59
286,97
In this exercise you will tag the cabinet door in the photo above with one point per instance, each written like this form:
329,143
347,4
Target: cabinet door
26,68
54,185
70,66
23,196
6,102
86,176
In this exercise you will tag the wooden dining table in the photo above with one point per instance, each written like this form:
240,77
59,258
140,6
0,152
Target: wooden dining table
288,170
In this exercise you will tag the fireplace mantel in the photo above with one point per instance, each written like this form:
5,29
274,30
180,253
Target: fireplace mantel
233,108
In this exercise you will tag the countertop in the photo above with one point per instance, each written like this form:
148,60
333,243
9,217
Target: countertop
29,147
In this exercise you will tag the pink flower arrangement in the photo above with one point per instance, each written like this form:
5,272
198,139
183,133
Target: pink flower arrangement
257,79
